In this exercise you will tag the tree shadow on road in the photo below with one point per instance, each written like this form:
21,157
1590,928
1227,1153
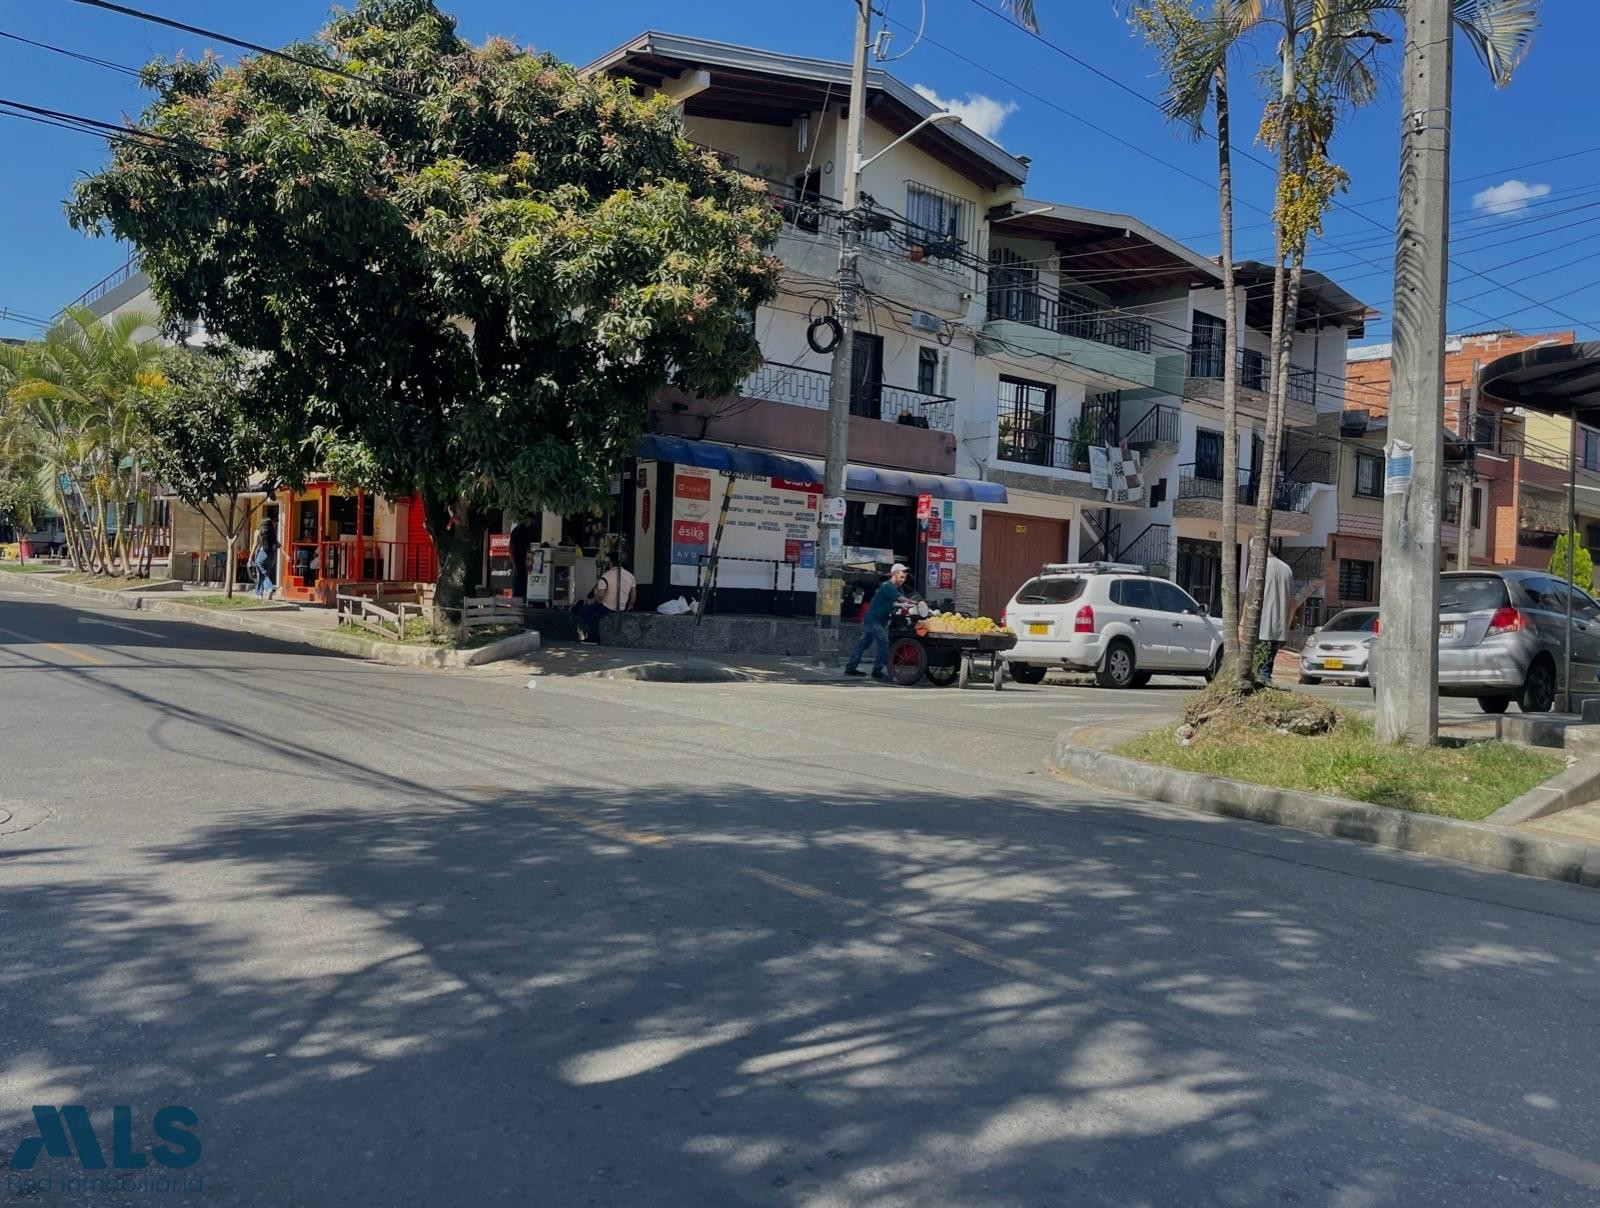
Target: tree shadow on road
729,996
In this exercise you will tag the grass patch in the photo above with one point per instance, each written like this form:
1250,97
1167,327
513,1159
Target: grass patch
29,568
240,602
1456,779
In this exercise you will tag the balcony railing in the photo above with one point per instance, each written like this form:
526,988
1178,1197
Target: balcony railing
1161,425
106,284
888,235
1039,449
1206,361
1199,481
802,387
1070,315
1152,547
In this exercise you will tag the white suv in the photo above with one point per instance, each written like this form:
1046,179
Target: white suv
1112,619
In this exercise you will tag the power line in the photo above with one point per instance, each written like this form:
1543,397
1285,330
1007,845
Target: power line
255,47
73,54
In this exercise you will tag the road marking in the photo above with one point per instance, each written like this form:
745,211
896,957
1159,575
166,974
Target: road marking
113,625
72,650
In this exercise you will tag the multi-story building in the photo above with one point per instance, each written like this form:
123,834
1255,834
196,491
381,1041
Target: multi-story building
1005,340
1509,466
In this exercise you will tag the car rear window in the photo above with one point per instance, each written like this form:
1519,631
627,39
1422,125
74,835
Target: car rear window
1351,622
1472,593
1050,591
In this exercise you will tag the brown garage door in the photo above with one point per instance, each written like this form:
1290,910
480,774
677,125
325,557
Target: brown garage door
1014,548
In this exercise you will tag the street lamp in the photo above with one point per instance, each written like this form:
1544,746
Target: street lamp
943,118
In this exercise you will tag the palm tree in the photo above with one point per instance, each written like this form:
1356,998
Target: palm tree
69,408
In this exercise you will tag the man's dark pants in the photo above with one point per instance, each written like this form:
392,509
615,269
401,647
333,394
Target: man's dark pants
1266,656
872,633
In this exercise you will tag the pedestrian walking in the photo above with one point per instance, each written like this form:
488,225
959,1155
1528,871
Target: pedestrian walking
264,558
875,625
1277,606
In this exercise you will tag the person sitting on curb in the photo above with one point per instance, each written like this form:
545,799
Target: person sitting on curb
614,591
875,625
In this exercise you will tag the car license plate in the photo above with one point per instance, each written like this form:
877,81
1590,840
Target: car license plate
1333,664
1038,627
1449,631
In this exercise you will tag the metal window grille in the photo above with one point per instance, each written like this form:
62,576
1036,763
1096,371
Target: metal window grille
1355,581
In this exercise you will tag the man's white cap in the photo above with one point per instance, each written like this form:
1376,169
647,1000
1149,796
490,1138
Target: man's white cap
899,566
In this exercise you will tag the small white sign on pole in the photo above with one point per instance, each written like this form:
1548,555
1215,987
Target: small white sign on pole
832,510
1398,468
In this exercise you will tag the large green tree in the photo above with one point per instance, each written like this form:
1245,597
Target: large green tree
465,267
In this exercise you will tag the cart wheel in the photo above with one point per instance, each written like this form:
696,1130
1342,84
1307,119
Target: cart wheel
942,675
998,678
907,661
964,675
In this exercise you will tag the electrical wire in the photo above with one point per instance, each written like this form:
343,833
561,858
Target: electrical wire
73,54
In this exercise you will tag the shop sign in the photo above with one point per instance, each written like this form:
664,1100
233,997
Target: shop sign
802,554
499,545
935,527
949,511
644,511
942,553
692,486
690,539
947,577
786,484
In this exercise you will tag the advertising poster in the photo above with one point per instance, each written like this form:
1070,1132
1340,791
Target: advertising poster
772,522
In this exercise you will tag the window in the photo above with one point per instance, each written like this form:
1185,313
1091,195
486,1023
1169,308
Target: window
1050,591
1013,287
1472,593
1355,580
1134,593
1171,598
1206,346
928,370
342,516
1352,622
1369,476
1252,369
1588,448
935,220
1027,422
1208,454
1477,507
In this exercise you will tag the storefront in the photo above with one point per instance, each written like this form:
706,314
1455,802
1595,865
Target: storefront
333,537
769,507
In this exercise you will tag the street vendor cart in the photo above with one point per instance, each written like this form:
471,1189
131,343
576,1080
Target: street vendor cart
922,645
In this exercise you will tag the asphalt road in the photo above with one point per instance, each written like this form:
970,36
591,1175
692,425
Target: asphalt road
403,938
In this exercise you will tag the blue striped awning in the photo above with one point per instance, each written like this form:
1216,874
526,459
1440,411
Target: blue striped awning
877,479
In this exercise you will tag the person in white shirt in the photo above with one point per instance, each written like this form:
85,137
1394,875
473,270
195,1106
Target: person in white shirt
1278,604
613,592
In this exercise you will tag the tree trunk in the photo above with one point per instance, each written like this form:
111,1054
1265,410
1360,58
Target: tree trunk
457,529
1235,667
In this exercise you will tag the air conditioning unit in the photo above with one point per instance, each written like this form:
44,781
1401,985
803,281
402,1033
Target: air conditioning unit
923,321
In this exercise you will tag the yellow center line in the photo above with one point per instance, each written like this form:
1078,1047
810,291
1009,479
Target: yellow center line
56,646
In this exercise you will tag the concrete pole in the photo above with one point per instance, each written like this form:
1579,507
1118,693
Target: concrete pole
830,580
1407,696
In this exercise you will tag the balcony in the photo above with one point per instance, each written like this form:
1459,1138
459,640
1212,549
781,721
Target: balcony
1159,431
1200,497
802,387
1107,345
1038,449
1253,376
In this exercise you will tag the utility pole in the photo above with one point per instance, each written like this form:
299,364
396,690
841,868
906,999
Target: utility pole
830,551
1407,690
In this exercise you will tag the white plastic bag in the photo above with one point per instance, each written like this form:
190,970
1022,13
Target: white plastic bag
673,608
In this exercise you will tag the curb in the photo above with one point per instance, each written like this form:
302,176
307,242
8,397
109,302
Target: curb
1484,844
350,645
1578,785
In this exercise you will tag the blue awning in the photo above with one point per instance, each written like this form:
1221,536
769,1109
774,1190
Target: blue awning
878,479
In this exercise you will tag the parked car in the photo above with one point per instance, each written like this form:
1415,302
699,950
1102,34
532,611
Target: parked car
1340,648
1502,638
1112,619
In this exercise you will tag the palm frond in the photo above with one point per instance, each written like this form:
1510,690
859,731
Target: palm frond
1022,12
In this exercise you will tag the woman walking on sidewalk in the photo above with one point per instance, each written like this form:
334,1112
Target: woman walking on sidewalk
265,559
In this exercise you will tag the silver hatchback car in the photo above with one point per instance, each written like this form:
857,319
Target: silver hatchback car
1341,648
1502,638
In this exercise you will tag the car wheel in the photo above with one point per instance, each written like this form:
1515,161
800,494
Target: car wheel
1313,680
1116,670
1494,704
1215,669
1539,690
1026,673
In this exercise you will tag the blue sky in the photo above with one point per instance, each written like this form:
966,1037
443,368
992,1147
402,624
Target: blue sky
1526,219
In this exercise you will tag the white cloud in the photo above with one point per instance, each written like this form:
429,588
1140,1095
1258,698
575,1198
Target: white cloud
1510,198
982,114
